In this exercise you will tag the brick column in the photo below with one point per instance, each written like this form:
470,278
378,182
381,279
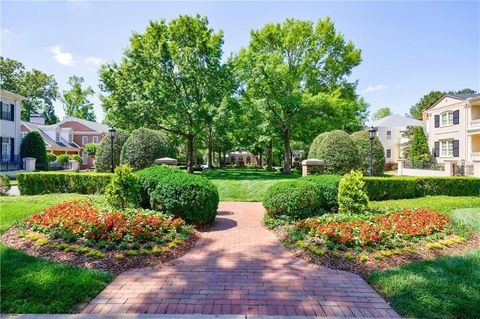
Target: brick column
310,166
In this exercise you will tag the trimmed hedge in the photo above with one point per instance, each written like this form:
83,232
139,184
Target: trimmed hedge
191,197
362,141
61,182
149,178
296,199
328,190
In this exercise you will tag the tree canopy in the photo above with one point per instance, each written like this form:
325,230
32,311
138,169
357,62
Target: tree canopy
381,113
428,99
76,100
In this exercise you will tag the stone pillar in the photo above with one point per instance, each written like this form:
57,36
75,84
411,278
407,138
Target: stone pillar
450,167
310,166
401,166
166,161
29,164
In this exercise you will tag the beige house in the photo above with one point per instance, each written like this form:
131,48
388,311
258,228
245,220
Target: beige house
10,121
389,131
453,128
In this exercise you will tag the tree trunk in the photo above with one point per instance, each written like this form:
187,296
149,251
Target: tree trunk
190,154
270,157
220,158
287,162
260,159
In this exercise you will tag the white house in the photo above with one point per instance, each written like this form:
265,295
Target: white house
10,121
389,131
453,127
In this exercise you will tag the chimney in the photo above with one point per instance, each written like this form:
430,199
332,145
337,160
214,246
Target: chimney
424,118
37,119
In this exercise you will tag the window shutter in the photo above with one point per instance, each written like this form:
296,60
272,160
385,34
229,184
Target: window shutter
12,149
436,149
437,120
1,111
456,117
12,112
456,145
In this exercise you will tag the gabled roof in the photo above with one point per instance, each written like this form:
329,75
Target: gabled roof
62,143
11,95
395,120
455,96
99,127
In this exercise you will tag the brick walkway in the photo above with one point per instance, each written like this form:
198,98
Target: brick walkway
239,267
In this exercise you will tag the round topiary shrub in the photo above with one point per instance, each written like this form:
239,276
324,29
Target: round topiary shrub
51,157
328,190
4,184
77,158
102,156
295,199
339,152
191,197
33,146
362,141
150,177
313,152
144,146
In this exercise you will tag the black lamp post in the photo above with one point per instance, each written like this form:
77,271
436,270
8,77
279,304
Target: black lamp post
112,137
371,134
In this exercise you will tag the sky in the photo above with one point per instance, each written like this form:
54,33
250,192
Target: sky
408,48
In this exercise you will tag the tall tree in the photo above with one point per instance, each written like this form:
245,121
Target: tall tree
419,151
167,79
76,101
381,113
40,89
428,99
284,61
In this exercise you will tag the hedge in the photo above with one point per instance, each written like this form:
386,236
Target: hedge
61,182
328,190
149,179
362,141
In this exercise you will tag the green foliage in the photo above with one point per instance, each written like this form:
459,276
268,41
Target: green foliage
123,189
362,141
419,151
191,197
91,148
4,184
328,190
40,89
352,198
144,146
76,158
102,157
51,157
429,99
441,204
296,199
468,216
339,152
313,152
75,101
407,135
33,146
63,158
381,113
53,182
149,178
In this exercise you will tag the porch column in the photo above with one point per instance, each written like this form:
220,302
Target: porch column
401,166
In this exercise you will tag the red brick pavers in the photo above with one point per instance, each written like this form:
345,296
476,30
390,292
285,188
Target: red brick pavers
239,267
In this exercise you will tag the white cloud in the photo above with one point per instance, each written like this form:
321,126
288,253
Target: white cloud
380,87
64,58
5,31
94,61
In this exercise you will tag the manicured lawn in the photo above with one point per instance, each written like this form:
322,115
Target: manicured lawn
468,216
35,285
13,208
236,184
442,204
446,287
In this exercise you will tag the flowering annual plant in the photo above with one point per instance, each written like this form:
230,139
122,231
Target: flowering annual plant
80,220
376,230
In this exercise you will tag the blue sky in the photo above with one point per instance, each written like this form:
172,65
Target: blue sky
408,48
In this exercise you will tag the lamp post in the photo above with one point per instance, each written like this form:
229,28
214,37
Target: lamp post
371,134
112,137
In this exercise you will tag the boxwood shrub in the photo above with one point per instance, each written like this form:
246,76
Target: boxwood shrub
296,199
328,190
191,197
149,178
62,182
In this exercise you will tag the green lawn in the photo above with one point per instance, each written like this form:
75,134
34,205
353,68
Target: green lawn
35,285
468,216
237,184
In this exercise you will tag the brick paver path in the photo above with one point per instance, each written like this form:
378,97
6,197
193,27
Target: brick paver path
239,267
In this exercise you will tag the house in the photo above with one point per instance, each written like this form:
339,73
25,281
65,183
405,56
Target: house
453,127
241,158
389,131
10,104
68,136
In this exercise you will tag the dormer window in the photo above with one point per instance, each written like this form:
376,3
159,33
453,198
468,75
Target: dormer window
70,138
57,137
446,118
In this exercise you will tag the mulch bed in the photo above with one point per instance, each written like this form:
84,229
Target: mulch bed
107,263
420,252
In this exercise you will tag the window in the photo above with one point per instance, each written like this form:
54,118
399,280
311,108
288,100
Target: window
446,148
389,135
57,137
446,118
5,149
7,111
84,140
389,153
95,139
84,157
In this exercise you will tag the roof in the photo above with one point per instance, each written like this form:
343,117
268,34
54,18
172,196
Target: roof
99,127
11,95
395,120
62,143
463,96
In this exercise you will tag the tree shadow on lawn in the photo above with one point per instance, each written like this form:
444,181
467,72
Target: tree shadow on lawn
246,174
446,287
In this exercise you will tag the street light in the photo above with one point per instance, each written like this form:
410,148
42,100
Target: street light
112,137
371,134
